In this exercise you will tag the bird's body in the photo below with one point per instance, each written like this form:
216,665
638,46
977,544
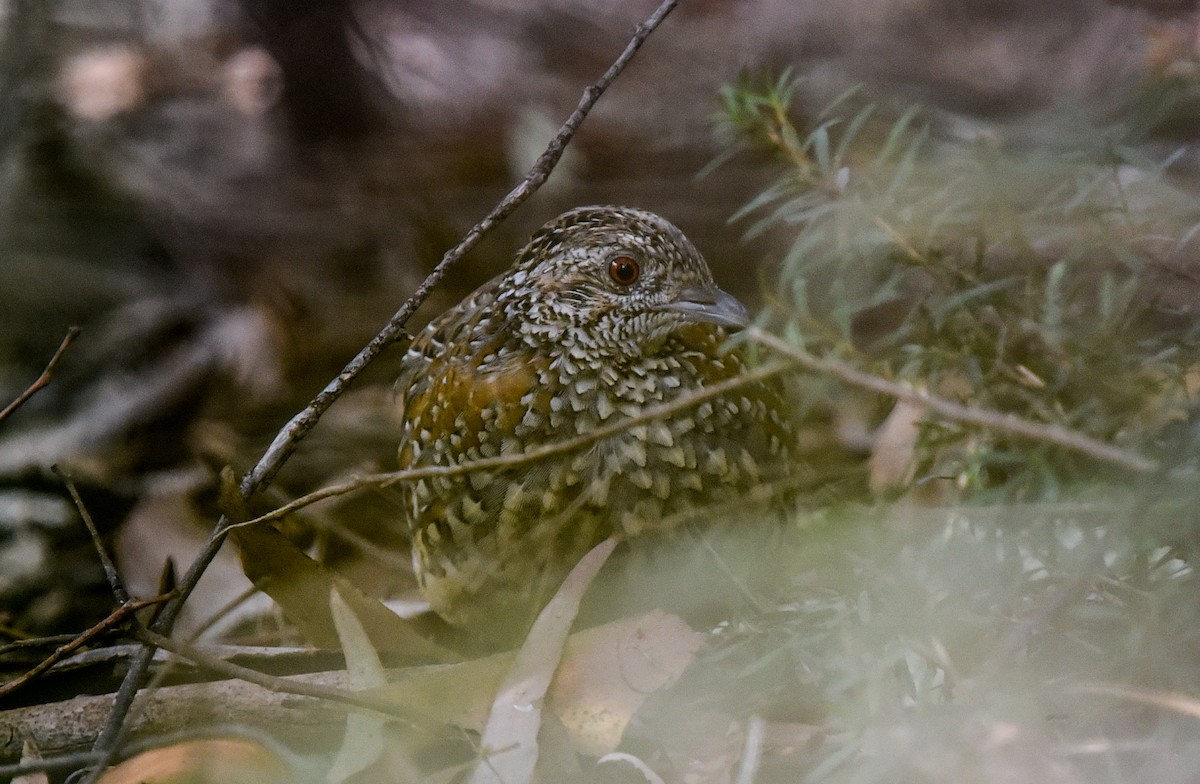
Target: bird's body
606,312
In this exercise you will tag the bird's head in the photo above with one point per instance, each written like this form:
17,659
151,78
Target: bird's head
613,280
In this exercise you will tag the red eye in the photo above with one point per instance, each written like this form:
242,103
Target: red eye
624,270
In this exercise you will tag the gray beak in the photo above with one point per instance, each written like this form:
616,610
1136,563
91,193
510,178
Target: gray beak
710,306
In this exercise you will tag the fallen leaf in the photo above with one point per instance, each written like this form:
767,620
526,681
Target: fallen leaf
607,673
509,741
363,742
29,753
895,446
301,587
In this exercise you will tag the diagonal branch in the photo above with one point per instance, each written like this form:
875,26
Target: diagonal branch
552,449
115,620
275,683
993,420
286,440
289,436
110,569
44,378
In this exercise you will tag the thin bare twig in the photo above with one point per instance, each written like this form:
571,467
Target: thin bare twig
289,436
63,762
114,619
994,420
35,642
43,379
110,569
272,682
553,449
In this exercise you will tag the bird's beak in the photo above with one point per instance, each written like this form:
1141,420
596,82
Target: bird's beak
709,305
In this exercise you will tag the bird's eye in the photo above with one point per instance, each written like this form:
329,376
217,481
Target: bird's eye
624,270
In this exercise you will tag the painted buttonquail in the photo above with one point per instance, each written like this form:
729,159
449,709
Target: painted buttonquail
607,310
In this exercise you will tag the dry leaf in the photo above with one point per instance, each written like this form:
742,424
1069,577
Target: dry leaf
510,736
604,676
458,694
607,673
895,445
29,753
167,525
363,742
301,586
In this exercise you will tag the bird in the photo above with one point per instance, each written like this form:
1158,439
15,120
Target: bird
606,312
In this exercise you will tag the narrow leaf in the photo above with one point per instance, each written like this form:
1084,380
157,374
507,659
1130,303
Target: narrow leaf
362,745
510,737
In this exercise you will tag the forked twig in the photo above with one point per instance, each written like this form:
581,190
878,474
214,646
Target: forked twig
289,436
117,617
110,569
44,378
125,609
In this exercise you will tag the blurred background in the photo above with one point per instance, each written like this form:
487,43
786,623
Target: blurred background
232,196
994,200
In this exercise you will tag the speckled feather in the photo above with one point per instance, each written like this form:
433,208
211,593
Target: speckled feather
553,348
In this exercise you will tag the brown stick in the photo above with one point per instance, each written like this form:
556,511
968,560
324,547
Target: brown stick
994,420
110,569
114,619
69,727
272,682
43,379
651,414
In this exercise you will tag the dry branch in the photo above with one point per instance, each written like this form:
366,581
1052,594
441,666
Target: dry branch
556,448
115,619
72,725
110,569
1007,423
281,685
44,378
972,415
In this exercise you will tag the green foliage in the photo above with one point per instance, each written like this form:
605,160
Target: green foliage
1039,281
1045,629
984,644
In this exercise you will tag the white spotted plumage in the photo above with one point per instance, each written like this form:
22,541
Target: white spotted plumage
552,349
